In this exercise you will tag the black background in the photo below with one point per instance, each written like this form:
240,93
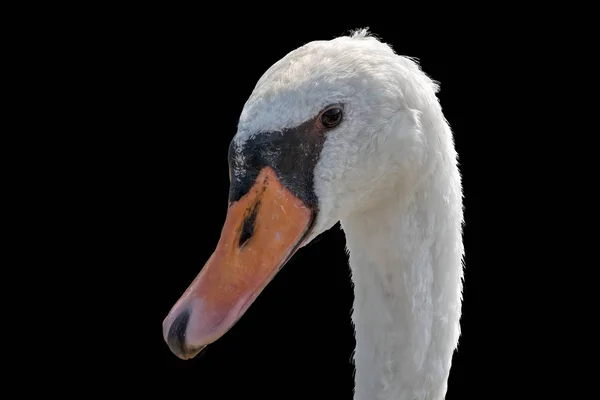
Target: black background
179,87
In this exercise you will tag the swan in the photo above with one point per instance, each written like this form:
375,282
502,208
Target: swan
344,130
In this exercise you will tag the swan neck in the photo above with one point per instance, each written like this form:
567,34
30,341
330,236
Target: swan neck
406,264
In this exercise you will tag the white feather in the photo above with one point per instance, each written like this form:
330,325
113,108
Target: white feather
389,173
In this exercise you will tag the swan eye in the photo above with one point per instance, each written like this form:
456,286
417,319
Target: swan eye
331,117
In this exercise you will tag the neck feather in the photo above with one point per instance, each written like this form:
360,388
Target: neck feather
406,263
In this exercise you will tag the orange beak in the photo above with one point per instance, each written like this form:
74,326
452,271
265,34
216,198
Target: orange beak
262,230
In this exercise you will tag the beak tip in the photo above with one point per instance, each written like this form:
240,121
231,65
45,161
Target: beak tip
174,332
175,335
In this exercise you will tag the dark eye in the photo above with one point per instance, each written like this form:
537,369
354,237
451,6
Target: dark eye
331,117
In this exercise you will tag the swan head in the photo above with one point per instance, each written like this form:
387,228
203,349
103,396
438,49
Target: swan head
331,129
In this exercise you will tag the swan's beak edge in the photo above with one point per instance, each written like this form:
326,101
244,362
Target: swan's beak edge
262,230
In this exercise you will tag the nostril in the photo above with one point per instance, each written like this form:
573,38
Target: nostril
176,335
248,227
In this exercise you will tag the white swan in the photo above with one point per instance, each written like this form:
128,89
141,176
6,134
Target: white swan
344,130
